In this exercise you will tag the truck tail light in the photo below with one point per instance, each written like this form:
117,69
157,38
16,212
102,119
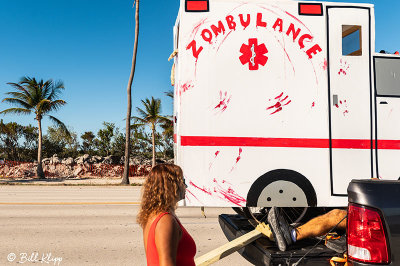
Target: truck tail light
197,6
366,239
310,9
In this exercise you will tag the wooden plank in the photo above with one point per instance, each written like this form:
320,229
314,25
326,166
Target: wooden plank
227,249
233,246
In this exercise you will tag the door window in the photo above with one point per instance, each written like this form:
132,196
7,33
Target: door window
351,40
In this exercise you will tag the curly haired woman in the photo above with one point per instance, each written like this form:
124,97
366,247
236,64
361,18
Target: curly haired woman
165,239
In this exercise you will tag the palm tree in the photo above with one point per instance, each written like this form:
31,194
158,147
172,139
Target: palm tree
39,98
151,116
125,174
170,93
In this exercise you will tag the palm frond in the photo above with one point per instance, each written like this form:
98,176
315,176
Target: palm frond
136,126
60,125
139,120
43,106
20,88
46,90
18,95
55,105
18,111
142,113
170,93
17,102
56,90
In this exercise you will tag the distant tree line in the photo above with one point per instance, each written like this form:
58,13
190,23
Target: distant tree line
20,143
31,96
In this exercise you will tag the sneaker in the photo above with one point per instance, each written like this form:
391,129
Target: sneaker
280,229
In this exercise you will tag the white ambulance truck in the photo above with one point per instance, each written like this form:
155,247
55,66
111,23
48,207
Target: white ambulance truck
282,103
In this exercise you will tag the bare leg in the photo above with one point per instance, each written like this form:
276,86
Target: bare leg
322,224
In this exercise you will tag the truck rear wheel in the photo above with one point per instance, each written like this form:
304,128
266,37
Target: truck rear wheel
282,188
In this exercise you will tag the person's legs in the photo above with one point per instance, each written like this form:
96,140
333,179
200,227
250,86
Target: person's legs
286,235
321,225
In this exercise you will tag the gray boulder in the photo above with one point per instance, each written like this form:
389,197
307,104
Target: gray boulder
78,171
68,161
146,162
79,160
55,159
86,157
134,161
111,159
46,160
97,159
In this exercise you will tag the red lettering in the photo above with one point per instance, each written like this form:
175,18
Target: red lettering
231,23
219,29
302,38
313,51
206,38
291,29
195,51
279,23
260,23
244,23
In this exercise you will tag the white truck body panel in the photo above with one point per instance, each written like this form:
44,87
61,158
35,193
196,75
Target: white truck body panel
268,111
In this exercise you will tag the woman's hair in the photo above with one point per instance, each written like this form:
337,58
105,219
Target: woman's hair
161,190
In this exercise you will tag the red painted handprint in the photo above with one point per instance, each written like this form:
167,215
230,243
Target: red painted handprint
281,101
223,101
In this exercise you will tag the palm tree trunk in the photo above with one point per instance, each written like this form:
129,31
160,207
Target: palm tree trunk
153,142
125,174
39,170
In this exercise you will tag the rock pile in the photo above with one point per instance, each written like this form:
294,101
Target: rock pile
82,166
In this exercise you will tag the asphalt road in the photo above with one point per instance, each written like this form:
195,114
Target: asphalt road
88,225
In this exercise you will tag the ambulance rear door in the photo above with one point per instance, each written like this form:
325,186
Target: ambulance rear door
350,96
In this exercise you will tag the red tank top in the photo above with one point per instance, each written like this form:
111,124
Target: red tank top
186,246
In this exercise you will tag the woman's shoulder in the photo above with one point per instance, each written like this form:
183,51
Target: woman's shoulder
168,224
167,218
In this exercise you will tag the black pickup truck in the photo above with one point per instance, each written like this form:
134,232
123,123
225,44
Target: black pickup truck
372,237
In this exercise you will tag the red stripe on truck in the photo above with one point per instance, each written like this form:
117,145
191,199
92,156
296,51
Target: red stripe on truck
287,142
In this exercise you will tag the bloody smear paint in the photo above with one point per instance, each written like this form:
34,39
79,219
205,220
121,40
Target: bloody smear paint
199,188
185,87
344,67
215,157
221,192
342,104
223,40
313,105
325,64
228,194
190,193
278,106
223,101
197,27
237,160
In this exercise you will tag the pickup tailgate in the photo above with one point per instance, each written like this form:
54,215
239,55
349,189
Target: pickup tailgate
265,252
384,196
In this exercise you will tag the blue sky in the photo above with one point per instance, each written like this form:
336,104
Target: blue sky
88,45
